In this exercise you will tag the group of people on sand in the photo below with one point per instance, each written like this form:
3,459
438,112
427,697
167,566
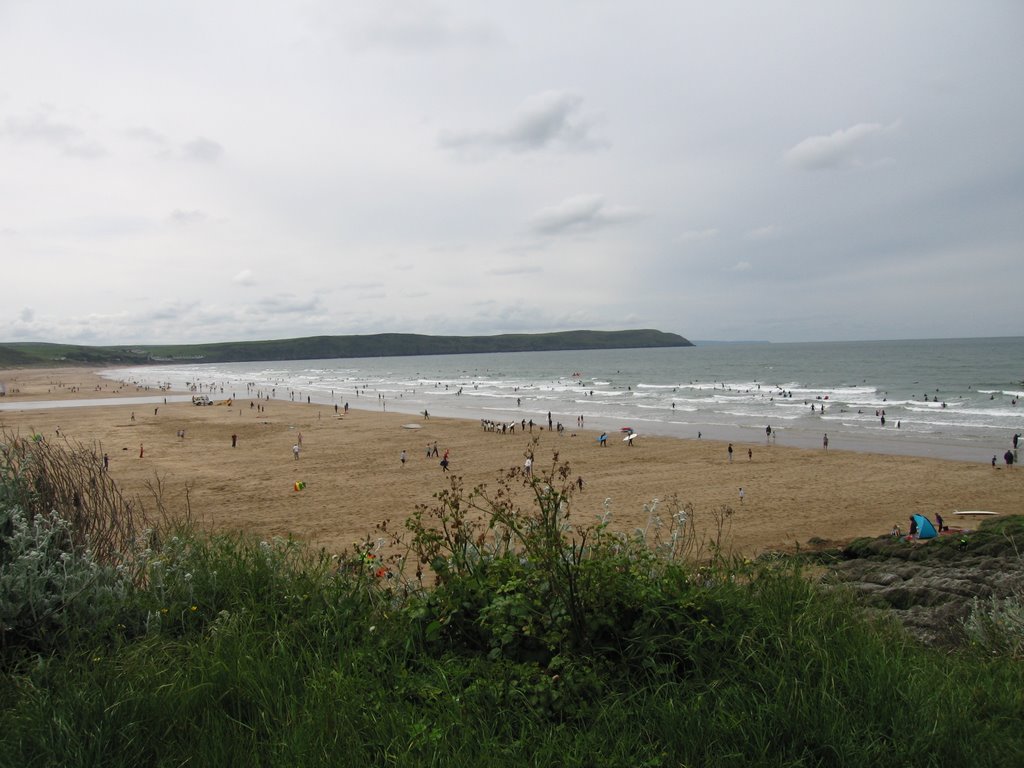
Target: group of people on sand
1010,457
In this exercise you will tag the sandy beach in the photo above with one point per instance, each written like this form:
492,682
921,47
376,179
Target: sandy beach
354,479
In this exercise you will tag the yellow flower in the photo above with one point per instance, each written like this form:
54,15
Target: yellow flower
195,608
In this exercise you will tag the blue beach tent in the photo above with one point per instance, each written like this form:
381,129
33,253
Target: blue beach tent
925,529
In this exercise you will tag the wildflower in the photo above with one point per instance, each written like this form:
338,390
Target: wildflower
194,608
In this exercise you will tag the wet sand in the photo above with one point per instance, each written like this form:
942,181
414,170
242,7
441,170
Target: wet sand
354,479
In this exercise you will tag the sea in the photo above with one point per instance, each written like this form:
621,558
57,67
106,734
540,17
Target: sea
947,398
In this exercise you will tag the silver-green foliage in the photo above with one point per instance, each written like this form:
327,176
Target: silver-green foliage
997,624
49,586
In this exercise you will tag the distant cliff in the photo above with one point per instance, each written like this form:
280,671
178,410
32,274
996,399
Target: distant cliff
24,354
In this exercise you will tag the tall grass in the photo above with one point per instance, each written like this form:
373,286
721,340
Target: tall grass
586,651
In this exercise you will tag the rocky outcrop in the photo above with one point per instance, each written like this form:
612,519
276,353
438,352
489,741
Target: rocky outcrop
930,588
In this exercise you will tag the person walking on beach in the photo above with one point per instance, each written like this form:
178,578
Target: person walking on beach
528,466
730,453
295,451
742,494
402,458
444,464
824,442
142,450
234,440
106,462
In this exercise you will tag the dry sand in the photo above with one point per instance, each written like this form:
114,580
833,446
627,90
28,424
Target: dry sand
354,479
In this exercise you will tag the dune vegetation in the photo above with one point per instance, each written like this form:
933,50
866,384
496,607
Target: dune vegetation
478,632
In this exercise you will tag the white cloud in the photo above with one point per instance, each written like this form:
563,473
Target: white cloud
245,277
767,232
840,148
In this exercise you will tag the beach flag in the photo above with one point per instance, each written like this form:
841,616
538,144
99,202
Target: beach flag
299,485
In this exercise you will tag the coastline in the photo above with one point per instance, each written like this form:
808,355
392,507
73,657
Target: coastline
793,497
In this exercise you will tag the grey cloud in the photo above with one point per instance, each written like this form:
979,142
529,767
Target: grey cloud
524,269
421,27
356,286
146,134
582,213
697,235
286,304
551,118
169,311
840,148
87,150
40,128
202,150
182,218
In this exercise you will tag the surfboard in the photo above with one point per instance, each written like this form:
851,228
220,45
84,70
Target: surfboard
976,512
411,426
629,437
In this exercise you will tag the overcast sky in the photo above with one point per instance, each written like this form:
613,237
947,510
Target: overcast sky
789,171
